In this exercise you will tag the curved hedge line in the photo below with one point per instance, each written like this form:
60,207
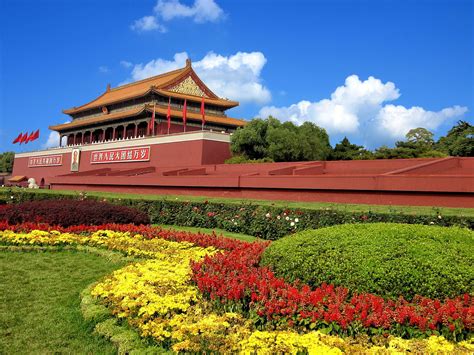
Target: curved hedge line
267,222
389,260
66,213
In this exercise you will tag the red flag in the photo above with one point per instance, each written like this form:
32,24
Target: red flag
151,125
25,138
203,113
30,137
18,139
168,114
184,115
36,135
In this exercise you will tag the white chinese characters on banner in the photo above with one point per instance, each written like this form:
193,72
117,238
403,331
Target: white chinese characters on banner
120,155
46,160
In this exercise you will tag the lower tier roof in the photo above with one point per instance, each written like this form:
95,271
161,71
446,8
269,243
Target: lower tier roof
160,110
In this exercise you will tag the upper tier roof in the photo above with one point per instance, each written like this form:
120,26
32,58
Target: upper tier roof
165,84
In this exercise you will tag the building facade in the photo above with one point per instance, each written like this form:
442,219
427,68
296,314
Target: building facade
114,131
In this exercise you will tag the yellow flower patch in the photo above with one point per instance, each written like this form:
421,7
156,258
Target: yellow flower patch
156,296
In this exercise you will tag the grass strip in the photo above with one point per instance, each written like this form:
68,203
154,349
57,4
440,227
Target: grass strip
40,303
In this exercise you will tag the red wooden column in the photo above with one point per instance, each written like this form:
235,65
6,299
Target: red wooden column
124,131
136,131
113,134
82,138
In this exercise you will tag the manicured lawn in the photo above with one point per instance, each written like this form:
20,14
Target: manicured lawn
244,237
307,205
40,303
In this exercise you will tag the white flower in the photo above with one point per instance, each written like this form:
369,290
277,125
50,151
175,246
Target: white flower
235,223
439,217
268,215
432,223
292,224
297,220
287,218
12,197
278,217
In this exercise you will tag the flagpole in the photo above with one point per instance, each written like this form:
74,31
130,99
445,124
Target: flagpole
185,114
202,113
154,114
168,116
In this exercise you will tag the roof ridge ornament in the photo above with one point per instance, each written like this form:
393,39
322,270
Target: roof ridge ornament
188,63
108,87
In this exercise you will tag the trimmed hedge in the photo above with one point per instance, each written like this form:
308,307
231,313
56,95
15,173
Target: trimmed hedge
385,259
267,222
66,213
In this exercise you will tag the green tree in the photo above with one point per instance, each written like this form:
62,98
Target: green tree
283,142
421,137
269,138
345,150
419,143
313,142
6,162
459,141
250,140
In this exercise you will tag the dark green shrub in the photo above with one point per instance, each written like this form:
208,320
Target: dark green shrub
386,259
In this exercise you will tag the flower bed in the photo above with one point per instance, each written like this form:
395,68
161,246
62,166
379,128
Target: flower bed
266,222
200,239
71,212
236,280
157,296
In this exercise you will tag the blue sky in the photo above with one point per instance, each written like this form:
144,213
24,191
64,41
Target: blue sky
369,70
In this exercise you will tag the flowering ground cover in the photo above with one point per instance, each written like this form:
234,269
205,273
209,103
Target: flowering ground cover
189,292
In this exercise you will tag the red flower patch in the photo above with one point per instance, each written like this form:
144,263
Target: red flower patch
236,277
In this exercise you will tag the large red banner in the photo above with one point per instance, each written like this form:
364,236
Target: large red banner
120,155
47,160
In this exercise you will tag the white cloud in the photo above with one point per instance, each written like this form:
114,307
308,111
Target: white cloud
125,64
398,120
237,77
201,11
147,23
359,108
53,140
104,69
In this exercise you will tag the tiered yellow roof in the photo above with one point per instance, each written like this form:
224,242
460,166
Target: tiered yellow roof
167,84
